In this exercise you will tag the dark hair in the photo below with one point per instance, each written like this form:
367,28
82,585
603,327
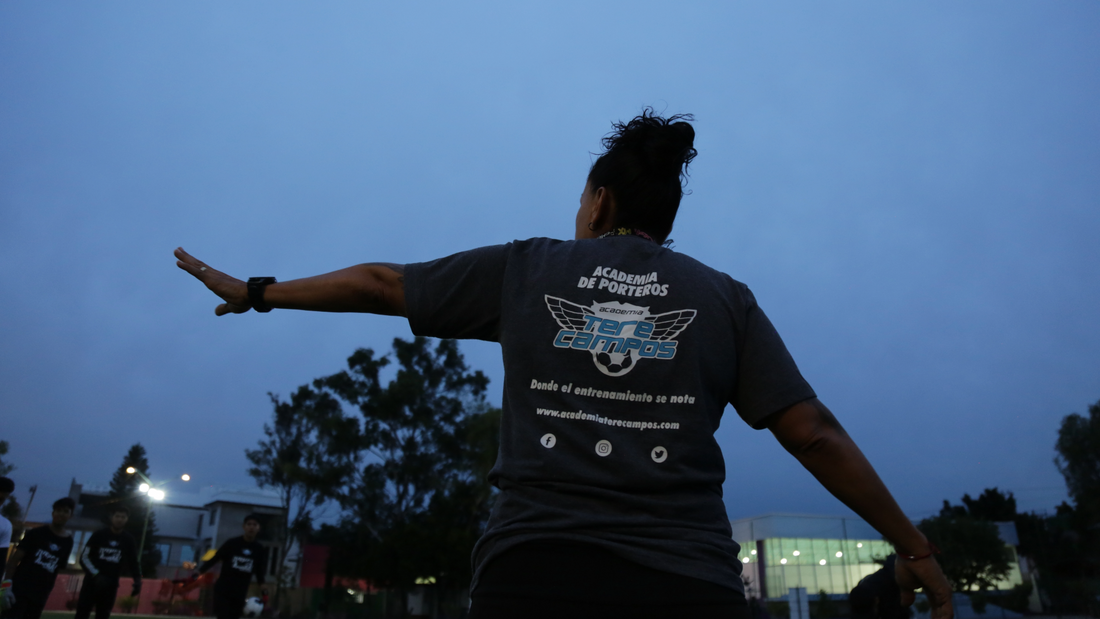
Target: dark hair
253,516
644,165
65,502
120,508
6,485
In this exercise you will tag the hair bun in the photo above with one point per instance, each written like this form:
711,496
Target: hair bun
665,146
671,147
645,166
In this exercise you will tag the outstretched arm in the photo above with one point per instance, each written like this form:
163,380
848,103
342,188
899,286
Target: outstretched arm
206,565
375,288
810,432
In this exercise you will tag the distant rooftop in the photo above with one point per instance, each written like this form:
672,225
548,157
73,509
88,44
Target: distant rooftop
200,497
772,525
818,526
205,495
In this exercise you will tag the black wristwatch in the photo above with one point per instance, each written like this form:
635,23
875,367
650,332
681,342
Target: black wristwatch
256,287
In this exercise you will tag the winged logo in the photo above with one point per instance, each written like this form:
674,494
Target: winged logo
617,334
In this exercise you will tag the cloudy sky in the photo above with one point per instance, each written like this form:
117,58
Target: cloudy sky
912,192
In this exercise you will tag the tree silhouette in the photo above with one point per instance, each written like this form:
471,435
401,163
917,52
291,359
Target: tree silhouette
992,505
420,498
5,467
308,456
1078,459
973,554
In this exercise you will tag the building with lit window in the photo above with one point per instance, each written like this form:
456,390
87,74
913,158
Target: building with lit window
822,553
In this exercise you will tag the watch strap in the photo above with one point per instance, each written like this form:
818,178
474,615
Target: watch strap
256,287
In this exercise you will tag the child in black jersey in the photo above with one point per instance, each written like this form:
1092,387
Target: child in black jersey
43,552
103,557
241,557
7,486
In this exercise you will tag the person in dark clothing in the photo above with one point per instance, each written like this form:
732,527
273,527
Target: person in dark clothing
103,558
602,336
878,596
34,565
241,557
7,486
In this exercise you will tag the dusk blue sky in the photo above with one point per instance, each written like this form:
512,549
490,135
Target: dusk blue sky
912,191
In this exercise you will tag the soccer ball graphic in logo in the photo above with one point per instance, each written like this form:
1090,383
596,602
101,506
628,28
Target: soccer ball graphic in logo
253,607
614,363
618,335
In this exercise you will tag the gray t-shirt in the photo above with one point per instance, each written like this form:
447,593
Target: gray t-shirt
619,356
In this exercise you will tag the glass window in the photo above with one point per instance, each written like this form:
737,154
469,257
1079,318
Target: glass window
165,552
835,565
807,578
748,551
187,553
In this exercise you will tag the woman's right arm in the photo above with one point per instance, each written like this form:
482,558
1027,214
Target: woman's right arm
375,288
810,432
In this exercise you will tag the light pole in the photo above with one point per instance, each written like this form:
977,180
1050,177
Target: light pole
154,494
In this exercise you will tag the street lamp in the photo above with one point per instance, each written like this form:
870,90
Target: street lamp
154,494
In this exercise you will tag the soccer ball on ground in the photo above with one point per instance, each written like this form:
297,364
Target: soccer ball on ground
253,607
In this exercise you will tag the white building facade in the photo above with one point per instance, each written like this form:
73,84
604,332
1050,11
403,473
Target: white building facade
780,552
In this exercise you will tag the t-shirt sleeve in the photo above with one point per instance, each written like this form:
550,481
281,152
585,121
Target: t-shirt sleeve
32,540
458,296
767,378
5,533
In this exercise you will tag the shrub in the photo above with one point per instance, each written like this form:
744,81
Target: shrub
127,604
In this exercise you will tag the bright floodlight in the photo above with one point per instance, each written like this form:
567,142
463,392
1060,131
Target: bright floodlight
859,545
822,562
185,477
131,470
752,552
144,487
156,495
796,553
839,554
782,561
745,560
